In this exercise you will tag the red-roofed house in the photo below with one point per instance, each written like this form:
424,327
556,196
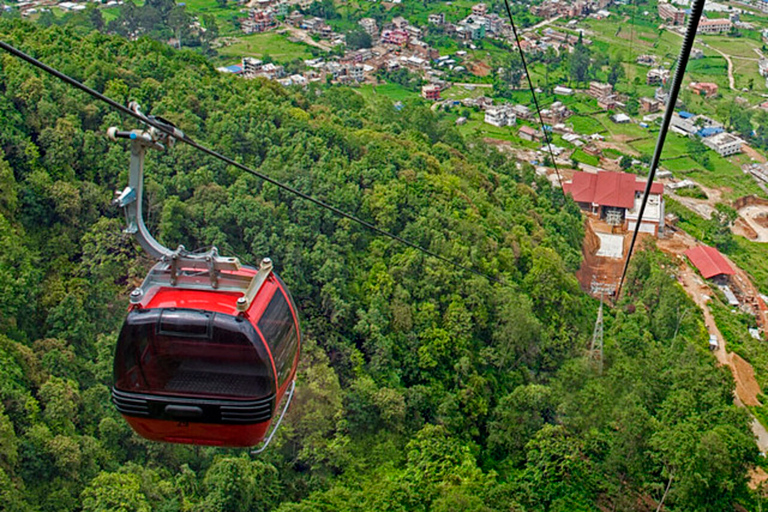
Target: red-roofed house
709,261
616,197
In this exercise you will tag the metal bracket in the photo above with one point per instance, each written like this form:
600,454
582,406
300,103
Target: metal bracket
265,270
130,199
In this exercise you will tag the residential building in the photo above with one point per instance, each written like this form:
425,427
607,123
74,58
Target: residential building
494,23
610,102
646,60
259,21
295,19
600,90
556,113
561,90
762,67
436,19
724,144
616,198
522,112
715,26
400,23
657,76
251,66
479,9
650,105
430,92
502,115
471,28
697,53
670,13
369,25
530,134
397,36
620,118
356,72
708,89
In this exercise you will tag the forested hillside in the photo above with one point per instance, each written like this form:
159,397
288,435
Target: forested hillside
420,388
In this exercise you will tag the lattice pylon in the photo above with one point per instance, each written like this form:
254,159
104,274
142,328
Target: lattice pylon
596,348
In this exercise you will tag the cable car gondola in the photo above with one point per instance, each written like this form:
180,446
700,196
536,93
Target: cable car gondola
209,348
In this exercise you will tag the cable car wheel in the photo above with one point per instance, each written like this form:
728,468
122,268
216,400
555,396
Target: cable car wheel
210,347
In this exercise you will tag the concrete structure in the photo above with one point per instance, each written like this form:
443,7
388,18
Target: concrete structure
436,19
471,28
369,25
528,133
479,9
670,13
715,26
563,91
522,112
620,118
502,115
703,88
398,37
724,143
616,198
430,92
259,21
646,60
251,66
611,246
650,105
657,76
600,90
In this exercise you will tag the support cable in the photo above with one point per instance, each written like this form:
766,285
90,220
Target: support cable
179,135
533,94
682,62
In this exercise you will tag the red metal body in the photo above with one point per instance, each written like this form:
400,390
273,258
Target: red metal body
210,300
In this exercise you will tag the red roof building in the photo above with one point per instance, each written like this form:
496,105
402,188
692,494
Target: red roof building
709,261
608,188
616,198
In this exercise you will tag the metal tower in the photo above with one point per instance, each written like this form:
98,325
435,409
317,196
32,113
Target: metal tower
596,348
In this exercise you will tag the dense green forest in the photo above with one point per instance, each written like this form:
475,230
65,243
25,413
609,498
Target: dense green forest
420,388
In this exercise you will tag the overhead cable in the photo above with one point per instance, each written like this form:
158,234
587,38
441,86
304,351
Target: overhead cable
169,130
533,94
682,61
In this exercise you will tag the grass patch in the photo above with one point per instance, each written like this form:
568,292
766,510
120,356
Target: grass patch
694,192
584,158
273,44
683,165
586,125
708,66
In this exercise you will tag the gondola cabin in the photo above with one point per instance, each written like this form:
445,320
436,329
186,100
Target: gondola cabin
206,357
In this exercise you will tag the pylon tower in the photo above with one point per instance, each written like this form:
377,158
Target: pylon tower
596,348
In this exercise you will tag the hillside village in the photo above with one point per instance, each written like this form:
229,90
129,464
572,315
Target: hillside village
594,132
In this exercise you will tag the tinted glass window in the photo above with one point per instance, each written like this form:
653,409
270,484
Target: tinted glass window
192,353
278,329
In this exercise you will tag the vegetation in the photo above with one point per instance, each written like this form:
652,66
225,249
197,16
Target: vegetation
420,388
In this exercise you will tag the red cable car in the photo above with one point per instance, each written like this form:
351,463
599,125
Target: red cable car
209,348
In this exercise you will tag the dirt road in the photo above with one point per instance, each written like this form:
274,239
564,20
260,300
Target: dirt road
747,388
304,37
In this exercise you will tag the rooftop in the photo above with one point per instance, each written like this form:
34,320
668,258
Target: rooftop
709,261
616,189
